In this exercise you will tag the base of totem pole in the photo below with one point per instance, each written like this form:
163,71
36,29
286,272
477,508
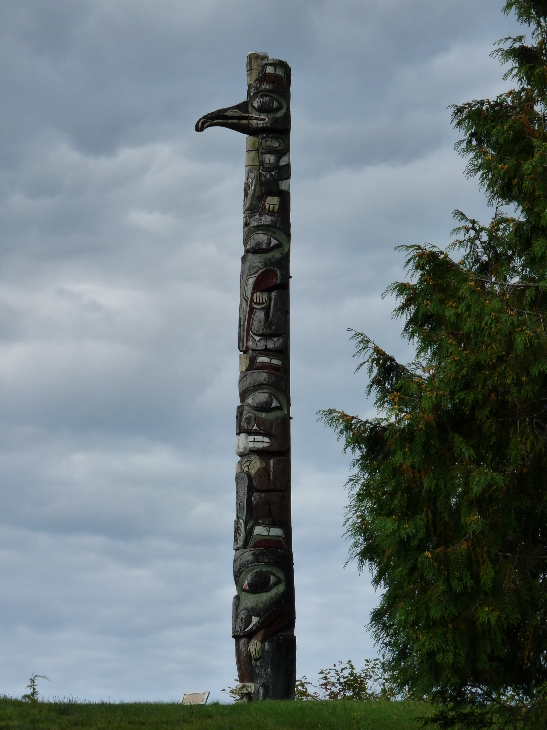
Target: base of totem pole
274,673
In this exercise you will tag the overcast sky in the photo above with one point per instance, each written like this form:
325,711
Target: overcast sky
120,233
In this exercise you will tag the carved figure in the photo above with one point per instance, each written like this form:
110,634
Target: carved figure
263,613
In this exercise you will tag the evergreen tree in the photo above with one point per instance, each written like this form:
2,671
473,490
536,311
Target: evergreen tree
448,499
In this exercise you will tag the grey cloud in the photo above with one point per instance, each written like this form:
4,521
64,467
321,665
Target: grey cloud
120,238
108,73
115,592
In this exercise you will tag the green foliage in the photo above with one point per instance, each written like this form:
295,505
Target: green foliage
17,715
448,499
232,691
343,681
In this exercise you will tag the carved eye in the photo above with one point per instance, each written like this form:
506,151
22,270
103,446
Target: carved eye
261,242
266,104
260,581
263,401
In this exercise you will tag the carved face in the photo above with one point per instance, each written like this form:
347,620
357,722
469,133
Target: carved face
264,583
259,600
268,96
263,514
263,268
266,106
262,421
260,590
268,327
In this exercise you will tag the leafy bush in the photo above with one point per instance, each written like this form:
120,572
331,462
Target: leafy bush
345,682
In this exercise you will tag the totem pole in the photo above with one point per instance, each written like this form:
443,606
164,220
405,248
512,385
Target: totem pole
263,612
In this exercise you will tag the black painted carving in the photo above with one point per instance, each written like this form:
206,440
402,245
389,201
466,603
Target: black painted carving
263,610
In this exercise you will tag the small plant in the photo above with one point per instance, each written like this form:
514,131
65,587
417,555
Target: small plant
32,686
232,692
302,690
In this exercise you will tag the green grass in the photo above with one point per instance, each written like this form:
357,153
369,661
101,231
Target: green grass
336,715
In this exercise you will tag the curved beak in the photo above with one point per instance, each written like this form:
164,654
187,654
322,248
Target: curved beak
232,117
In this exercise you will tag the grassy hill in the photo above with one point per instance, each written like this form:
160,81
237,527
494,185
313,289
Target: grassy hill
334,715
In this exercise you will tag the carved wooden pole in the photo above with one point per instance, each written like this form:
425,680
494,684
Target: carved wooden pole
263,610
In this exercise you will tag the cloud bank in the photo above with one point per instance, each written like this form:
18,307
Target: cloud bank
119,246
